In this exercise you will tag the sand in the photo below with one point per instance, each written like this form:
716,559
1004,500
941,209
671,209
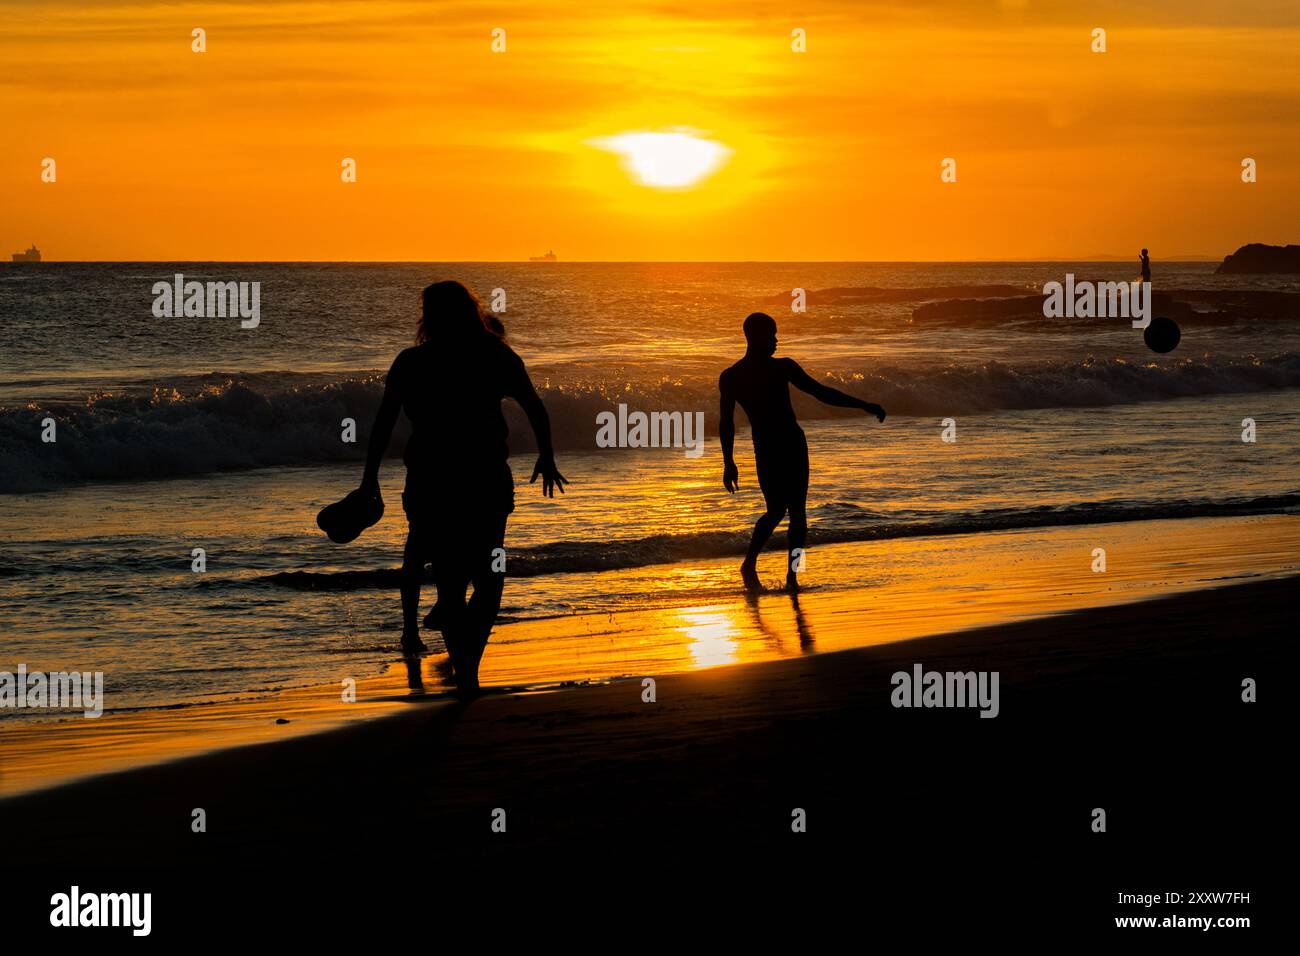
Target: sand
1142,687
1132,708
920,587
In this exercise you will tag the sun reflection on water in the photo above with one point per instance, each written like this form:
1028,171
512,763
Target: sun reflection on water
712,635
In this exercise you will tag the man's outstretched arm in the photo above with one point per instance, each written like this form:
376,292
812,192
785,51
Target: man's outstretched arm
827,395
727,435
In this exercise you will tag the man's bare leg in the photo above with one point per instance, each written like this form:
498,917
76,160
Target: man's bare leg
763,529
795,558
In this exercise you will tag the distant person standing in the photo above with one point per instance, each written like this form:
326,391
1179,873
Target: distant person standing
1146,268
761,384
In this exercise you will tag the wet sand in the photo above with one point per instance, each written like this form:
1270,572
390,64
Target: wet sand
926,586
618,811
1136,708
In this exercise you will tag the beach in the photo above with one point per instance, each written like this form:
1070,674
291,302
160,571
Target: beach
647,475
1103,540
1135,708
922,587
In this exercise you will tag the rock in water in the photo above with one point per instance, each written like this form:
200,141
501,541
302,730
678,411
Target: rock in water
1259,259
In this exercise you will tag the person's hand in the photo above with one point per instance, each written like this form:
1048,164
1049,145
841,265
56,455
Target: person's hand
872,409
730,477
551,477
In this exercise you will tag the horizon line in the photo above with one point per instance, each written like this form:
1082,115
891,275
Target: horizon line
1054,259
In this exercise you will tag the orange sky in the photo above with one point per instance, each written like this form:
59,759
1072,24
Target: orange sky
463,153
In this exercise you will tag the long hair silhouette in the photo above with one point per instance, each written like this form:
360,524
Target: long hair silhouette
448,310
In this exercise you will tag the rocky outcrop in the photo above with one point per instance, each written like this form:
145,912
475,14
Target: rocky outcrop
1259,259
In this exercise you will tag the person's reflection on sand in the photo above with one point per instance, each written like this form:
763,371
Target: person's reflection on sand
414,678
807,639
751,601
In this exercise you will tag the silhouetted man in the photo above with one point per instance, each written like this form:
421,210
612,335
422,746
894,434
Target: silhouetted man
761,384
1146,268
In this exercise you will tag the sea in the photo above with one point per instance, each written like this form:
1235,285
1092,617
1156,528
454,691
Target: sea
175,435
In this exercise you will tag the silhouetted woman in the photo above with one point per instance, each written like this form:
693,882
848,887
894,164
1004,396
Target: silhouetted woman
459,489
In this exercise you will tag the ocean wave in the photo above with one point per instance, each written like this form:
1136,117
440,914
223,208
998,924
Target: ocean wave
1187,307
855,295
214,423
570,557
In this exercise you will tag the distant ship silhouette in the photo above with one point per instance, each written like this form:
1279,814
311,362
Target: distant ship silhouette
549,257
31,255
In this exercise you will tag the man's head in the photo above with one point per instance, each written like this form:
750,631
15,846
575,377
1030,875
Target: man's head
760,333
1144,252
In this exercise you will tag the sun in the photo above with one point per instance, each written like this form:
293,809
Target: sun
671,159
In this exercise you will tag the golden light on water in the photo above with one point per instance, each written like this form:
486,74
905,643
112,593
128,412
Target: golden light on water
674,159
712,635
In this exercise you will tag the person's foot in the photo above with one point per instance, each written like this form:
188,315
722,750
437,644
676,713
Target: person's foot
792,582
445,671
467,686
433,620
411,644
749,574
462,673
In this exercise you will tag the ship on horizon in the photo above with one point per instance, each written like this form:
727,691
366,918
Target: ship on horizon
549,257
31,255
